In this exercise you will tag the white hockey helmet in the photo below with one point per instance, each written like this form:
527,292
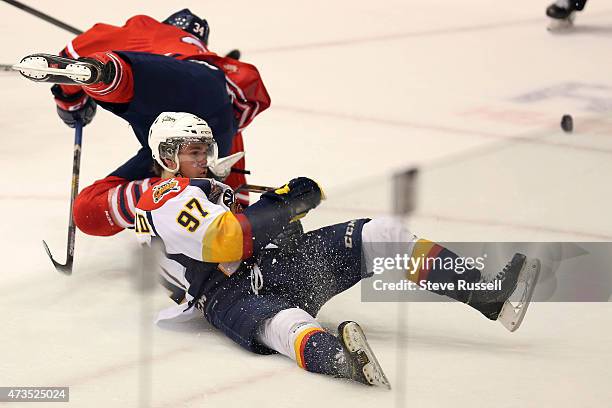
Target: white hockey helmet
170,130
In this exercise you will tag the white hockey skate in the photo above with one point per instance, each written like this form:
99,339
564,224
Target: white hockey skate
363,365
511,316
520,273
60,70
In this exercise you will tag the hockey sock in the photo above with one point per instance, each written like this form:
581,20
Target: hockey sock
121,88
432,263
297,335
320,352
428,262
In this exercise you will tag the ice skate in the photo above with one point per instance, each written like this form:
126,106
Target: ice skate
362,363
495,304
511,316
60,70
561,14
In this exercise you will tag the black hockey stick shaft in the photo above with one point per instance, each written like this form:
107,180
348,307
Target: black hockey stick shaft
240,171
39,14
44,16
253,188
76,166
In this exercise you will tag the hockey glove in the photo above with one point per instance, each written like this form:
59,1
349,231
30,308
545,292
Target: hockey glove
292,231
300,195
276,210
70,108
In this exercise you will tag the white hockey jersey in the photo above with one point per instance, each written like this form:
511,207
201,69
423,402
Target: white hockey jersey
192,217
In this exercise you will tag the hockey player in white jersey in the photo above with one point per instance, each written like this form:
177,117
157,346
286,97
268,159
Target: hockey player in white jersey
219,263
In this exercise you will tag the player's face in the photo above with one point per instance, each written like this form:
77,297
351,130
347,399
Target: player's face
192,160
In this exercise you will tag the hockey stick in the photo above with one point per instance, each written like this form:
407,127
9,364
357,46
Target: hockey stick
240,171
252,188
39,14
43,16
76,165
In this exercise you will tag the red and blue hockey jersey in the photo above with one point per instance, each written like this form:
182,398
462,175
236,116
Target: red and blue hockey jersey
144,34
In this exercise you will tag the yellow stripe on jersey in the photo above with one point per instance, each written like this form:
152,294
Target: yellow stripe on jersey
223,240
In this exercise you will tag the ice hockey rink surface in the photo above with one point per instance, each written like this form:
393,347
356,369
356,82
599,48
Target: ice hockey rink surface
470,92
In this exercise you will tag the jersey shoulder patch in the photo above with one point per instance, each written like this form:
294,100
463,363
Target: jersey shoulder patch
161,192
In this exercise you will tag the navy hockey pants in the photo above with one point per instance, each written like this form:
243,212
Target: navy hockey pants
306,273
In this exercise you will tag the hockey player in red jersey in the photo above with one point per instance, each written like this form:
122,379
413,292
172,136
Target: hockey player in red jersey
147,67
218,262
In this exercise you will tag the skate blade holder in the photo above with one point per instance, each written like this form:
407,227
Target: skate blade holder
355,341
511,316
37,69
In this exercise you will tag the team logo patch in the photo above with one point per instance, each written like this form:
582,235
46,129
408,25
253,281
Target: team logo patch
228,198
165,188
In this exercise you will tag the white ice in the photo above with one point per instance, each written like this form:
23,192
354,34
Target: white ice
472,92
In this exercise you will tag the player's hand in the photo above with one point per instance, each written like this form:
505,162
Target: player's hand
300,195
70,108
